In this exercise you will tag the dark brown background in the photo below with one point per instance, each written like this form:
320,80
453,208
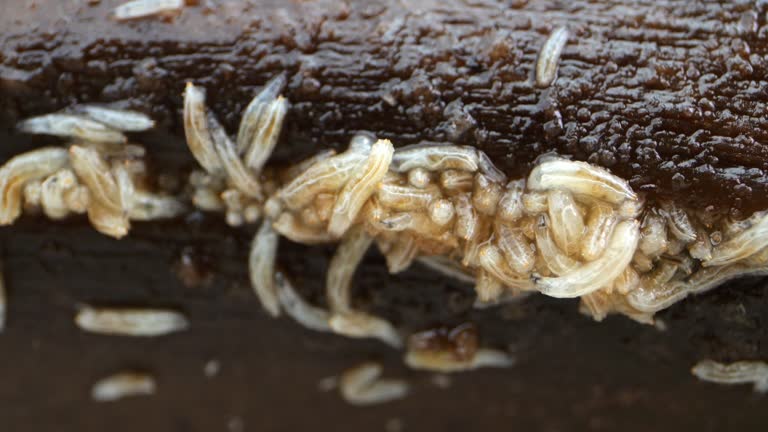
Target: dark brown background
572,374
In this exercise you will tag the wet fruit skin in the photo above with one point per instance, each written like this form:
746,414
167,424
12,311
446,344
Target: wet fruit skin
628,93
667,94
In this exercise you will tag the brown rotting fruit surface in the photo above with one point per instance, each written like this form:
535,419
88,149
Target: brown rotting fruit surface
666,94
669,95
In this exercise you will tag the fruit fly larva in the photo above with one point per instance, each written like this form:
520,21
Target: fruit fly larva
401,254
742,372
363,385
199,138
743,245
596,274
136,9
555,260
600,224
311,317
435,158
323,176
72,126
242,178
259,140
357,324
581,179
130,321
419,178
122,385
359,188
534,203
549,56
52,193
342,268
261,268
118,119
518,252
492,261
404,198
24,168
486,195
679,224
567,222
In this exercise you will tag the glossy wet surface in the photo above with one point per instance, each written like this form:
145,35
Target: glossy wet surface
668,94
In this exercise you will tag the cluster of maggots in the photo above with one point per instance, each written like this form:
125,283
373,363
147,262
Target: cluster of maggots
99,173
570,229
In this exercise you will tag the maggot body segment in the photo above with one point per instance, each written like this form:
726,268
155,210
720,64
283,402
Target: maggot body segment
142,322
363,385
569,229
549,56
136,9
122,385
741,372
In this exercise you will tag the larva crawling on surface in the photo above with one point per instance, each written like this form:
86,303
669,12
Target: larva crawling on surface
122,385
137,9
99,173
362,385
141,322
549,56
742,372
